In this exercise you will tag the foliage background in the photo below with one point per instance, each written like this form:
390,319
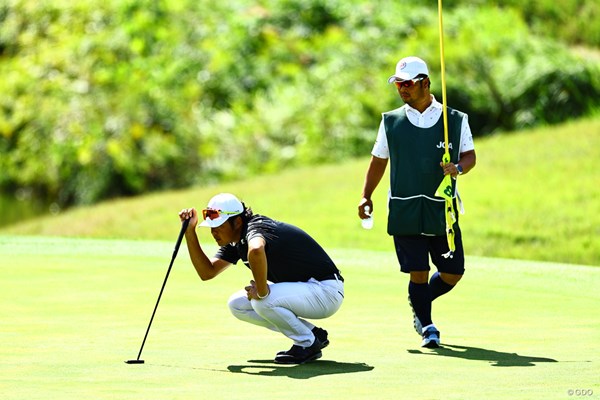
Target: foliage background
529,198
113,98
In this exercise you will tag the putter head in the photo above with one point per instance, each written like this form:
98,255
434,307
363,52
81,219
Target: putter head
134,362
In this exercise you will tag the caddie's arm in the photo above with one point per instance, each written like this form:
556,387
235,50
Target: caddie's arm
468,159
205,267
257,258
374,174
466,163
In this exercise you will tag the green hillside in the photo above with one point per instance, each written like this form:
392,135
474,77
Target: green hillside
533,195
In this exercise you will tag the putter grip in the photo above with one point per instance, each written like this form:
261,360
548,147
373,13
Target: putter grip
184,226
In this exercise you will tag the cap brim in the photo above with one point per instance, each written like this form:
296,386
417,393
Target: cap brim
401,77
214,223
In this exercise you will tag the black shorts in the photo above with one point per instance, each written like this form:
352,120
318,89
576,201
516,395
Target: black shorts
413,253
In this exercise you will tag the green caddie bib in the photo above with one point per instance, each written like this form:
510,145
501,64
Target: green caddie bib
415,172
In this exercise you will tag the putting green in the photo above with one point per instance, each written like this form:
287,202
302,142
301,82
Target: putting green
73,310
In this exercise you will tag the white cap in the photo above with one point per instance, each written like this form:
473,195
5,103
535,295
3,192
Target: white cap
228,204
409,68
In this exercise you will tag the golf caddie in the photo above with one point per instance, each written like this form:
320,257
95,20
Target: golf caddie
293,278
412,139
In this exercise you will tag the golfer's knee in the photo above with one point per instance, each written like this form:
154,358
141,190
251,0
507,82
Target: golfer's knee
262,307
237,304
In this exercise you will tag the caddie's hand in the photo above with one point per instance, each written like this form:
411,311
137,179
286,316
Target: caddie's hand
361,208
449,169
192,215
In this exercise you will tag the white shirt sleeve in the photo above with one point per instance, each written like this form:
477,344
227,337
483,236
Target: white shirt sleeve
466,137
380,148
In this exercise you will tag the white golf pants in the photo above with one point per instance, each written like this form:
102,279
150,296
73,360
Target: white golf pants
288,303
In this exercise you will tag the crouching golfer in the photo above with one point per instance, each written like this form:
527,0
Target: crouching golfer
293,277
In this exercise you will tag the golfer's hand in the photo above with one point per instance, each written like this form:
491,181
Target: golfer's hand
251,290
192,215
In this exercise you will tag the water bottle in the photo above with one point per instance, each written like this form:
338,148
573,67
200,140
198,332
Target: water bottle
367,223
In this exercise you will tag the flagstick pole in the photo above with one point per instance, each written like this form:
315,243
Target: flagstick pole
446,182
443,71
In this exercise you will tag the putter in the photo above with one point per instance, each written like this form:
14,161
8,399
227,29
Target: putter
184,226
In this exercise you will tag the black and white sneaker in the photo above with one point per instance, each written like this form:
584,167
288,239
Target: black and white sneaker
431,338
300,355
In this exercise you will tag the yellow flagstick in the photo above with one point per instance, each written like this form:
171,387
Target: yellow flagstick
443,71
445,188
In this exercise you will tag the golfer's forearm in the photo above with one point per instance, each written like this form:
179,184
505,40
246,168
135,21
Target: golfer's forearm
258,263
200,260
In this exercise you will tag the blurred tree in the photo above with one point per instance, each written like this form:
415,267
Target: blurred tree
120,97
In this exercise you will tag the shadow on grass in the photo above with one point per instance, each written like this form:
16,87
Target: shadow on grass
304,371
495,358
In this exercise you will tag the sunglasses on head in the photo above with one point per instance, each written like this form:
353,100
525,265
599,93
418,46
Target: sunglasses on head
408,83
214,214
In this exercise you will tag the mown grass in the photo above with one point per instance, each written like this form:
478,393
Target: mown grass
533,195
73,310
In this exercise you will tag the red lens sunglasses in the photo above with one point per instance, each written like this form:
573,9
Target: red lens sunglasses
214,214
407,83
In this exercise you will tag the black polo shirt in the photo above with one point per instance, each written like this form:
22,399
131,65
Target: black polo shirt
292,254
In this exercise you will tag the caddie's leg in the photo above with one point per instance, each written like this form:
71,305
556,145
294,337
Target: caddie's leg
413,256
450,270
442,283
420,296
